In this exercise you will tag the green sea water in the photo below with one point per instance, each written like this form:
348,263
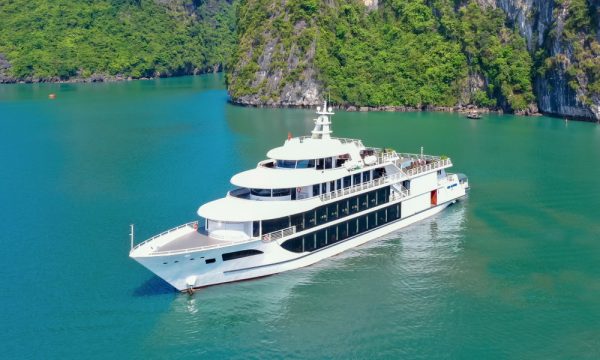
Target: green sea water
512,272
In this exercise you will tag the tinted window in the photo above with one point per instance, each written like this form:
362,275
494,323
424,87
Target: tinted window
316,189
372,199
362,202
323,188
366,176
342,231
371,221
311,163
309,242
309,219
321,215
352,227
343,209
281,192
275,224
320,164
260,192
393,213
289,164
298,221
356,178
332,211
347,181
353,204
321,237
381,219
255,228
362,224
240,254
339,183
302,164
294,245
328,163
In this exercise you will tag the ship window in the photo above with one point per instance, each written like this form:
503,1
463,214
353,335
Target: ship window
309,219
304,164
321,215
372,199
321,237
347,181
342,231
309,242
362,224
210,261
356,178
316,189
332,186
255,229
323,188
393,213
352,228
343,208
328,163
281,192
371,221
339,183
311,163
353,205
287,164
320,164
366,176
294,245
240,254
261,192
332,234
275,224
381,219
297,221
383,195
332,211
377,173
362,202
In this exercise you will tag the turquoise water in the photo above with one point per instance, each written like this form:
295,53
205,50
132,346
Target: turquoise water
512,272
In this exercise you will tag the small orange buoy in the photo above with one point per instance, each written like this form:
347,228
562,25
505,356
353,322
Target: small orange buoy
52,96
289,135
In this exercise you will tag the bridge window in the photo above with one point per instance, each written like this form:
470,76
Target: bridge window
286,164
261,192
281,192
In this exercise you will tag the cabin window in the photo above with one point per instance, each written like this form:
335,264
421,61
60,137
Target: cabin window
347,181
323,188
255,228
343,208
381,217
321,215
353,204
210,261
372,199
294,245
320,164
362,224
328,163
342,231
406,184
339,183
321,238
297,221
303,164
309,219
281,192
383,195
287,164
332,211
371,221
261,192
393,212
352,227
240,254
309,242
332,186
356,178
269,226
377,173
366,176
316,189
362,202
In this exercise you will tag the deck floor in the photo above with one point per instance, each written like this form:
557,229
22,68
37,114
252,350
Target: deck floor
191,240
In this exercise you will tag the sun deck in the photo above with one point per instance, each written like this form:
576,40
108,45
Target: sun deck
181,239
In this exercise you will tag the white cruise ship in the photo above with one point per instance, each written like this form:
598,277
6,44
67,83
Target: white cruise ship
314,197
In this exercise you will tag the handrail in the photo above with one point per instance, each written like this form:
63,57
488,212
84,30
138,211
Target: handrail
427,167
191,223
279,234
362,186
204,247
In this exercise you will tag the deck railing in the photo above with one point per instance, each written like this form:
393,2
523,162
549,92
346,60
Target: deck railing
190,224
427,167
359,187
187,250
279,234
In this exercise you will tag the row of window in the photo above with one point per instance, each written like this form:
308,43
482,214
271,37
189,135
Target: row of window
323,188
319,164
240,254
326,213
342,231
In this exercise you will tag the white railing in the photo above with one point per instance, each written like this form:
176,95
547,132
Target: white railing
428,167
197,248
279,234
359,187
190,224
399,192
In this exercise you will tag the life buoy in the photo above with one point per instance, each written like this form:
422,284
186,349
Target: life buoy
195,226
298,189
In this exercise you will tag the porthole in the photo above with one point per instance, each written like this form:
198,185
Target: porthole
210,261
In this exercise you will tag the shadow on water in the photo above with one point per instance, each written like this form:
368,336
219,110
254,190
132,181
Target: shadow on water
154,286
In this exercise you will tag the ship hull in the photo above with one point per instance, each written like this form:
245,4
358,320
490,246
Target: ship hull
205,268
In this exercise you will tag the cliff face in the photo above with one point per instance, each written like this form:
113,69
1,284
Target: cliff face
560,35
564,35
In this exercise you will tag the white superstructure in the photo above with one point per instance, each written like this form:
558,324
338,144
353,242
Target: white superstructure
313,197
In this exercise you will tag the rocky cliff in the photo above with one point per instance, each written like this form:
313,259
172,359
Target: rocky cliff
284,55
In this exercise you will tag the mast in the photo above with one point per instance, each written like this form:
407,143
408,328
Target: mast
322,128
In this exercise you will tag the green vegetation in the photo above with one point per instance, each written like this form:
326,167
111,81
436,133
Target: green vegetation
408,52
138,38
